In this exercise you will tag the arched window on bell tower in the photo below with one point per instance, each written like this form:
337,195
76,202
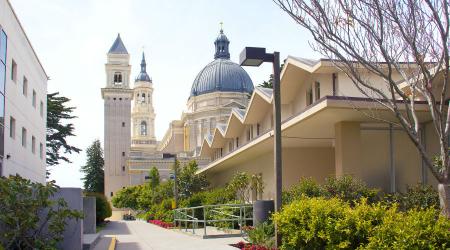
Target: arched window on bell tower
117,78
143,128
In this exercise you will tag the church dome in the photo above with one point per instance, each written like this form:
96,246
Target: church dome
222,74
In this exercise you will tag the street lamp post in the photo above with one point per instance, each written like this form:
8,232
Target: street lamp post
175,168
252,56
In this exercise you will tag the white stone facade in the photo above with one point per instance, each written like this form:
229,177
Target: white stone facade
25,102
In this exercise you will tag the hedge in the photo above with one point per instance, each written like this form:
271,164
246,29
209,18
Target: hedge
319,223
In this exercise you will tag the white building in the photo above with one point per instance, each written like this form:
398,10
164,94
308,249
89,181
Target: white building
23,101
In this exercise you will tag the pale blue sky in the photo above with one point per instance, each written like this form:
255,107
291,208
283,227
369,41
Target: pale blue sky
72,38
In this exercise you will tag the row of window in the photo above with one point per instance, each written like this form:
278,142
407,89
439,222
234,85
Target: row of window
235,143
25,88
12,134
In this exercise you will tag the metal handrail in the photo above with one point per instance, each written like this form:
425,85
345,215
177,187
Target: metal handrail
187,215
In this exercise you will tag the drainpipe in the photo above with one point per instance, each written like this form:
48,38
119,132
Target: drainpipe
391,159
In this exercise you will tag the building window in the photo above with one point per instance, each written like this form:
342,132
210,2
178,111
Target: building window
3,42
123,124
123,153
24,137
25,86
123,168
248,134
117,78
41,109
258,127
237,142
317,90
221,152
34,98
112,194
12,127
230,146
143,128
13,71
309,97
41,150
33,144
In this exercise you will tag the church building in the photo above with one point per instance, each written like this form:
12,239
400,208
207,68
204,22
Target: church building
130,146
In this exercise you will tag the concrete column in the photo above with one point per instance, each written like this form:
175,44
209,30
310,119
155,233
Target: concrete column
89,220
73,232
348,149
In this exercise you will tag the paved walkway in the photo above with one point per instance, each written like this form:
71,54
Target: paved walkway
141,235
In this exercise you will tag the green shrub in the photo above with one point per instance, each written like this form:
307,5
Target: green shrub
219,196
102,207
27,207
416,197
414,229
346,188
349,189
320,223
127,197
261,235
306,187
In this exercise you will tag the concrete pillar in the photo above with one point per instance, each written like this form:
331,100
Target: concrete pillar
348,149
73,232
90,217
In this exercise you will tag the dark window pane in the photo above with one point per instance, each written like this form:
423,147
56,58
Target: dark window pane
3,44
2,78
2,109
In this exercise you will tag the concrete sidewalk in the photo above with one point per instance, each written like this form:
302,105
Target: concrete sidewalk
141,235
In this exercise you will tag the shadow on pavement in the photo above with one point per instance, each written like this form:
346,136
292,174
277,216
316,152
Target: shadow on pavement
116,228
128,246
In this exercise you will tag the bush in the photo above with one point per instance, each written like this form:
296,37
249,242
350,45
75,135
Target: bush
346,188
261,235
319,223
416,197
102,207
26,208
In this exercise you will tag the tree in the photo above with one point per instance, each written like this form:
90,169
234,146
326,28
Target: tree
269,84
398,41
31,217
189,182
58,129
93,179
127,197
154,177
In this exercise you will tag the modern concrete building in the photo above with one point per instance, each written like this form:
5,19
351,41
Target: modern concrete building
23,101
328,129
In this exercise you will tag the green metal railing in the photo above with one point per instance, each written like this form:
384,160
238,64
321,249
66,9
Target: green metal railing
227,215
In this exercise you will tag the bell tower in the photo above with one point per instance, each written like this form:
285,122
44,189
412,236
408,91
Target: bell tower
117,97
143,115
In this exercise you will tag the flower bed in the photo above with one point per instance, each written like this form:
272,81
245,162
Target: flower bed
161,223
248,246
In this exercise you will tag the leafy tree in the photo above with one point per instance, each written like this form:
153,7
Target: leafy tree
403,42
269,84
102,207
58,129
127,197
30,218
154,177
240,184
93,180
189,182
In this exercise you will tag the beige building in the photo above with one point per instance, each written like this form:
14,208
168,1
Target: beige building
131,147
221,86
23,101
327,130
